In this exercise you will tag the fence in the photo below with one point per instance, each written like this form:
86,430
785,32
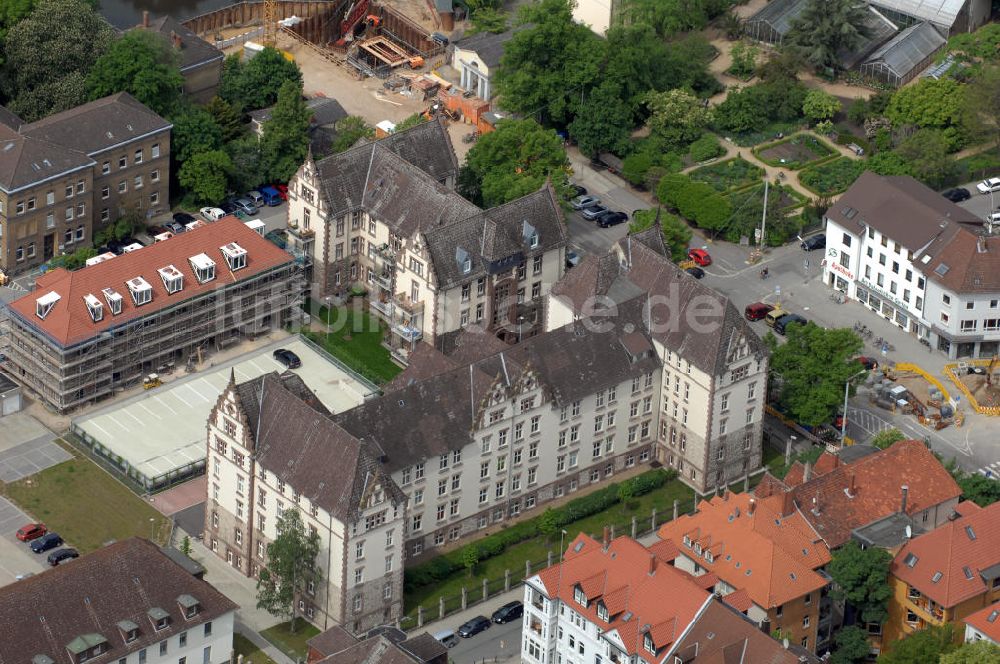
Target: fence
913,368
950,371
238,39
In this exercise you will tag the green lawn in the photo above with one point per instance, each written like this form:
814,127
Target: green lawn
355,338
293,645
251,653
728,175
536,549
86,505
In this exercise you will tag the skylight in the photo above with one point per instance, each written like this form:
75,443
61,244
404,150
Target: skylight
942,269
937,577
910,560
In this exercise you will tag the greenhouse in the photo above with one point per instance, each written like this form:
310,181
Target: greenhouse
904,56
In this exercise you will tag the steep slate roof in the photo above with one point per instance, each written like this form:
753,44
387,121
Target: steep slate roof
877,479
69,322
427,146
434,416
770,556
307,450
99,125
27,160
488,46
119,582
957,560
987,621
194,50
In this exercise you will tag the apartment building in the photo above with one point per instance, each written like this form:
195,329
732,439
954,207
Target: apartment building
768,565
606,602
336,645
66,176
199,61
271,447
127,603
947,574
984,625
385,215
82,335
473,444
711,393
917,260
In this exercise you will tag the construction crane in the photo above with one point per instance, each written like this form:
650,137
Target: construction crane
270,23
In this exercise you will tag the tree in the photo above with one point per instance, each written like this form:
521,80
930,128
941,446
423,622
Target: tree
205,175
248,165
677,117
513,161
931,104
744,56
813,367
144,65
861,577
981,106
548,523
227,118
888,163
411,121
604,124
743,111
977,652
255,83
676,234
886,438
350,130
979,489
852,646
291,565
927,645
488,19
625,493
696,201
194,131
285,142
186,546
470,557
705,148
670,17
59,39
826,28
820,105
926,152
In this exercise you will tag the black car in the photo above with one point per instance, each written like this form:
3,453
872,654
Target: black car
117,247
814,242
781,325
474,626
47,541
508,612
695,272
229,207
60,555
611,218
957,194
288,358
577,190
183,218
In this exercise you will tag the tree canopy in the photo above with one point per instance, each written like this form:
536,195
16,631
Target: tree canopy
812,368
885,439
979,489
977,652
144,65
927,645
669,17
349,131
827,28
676,117
195,131
604,124
819,105
851,647
676,234
861,577
205,175
291,565
254,84
931,104
926,153
285,142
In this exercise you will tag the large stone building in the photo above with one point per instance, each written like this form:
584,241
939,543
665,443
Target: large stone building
83,335
385,215
200,62
272,447
66,176
127,603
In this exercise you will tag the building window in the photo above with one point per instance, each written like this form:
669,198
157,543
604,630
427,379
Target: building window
155,150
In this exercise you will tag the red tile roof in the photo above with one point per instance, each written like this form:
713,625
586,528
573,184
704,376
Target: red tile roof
956,560
824,464
987,621
830,506
619,578
739,600
69,322
753,547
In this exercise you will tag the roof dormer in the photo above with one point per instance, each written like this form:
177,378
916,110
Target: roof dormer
236,256
172,278
87,646
204,268
189,606
45,304
579,596
142,292
159,617
114,300
464,260
129,630
94,307
529,234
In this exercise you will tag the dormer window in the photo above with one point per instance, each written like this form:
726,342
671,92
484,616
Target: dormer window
204,268
647,643
709,557
87,646
159,618
529,234
464,260
602,611
142,292
236,256
189,605
687,541
46,303
129,630
579,596
114,300
95,307
172,278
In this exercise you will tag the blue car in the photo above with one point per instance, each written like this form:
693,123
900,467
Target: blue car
272,196
47,541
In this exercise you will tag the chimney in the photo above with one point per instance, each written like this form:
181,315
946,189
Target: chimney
981,244
652,564
751,507
787,503
145,18
902,507
606,540
807,473
852,489
175,39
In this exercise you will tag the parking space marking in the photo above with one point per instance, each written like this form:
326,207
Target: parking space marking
10,514
120,425
146,408
164,403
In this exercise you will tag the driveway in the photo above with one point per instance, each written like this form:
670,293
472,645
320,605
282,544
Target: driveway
15,556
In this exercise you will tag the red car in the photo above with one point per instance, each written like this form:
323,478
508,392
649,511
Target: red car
31,531
867,362
700,256
282,190
757,310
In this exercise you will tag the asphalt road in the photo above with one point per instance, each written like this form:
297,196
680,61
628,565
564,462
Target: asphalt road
499,641
980,205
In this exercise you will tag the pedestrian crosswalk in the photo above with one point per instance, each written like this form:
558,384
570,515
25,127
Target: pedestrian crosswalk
992,471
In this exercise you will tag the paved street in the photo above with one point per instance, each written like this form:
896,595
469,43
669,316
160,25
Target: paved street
15,556
980,205
499,642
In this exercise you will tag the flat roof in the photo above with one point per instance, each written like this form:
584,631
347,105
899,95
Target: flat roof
163,430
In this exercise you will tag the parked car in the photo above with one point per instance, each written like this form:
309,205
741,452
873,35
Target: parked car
572,258
31,531
176,227
183,218
508,612
781,325
577,189
986,186
585,201
957,194
282,190
757,310
700,256
271,196
256,198
47,541
447,637
60,555
229,207
814,242
611,218
474,626
867,362
245,205
288,358
594,211
117,247
212,213
695,272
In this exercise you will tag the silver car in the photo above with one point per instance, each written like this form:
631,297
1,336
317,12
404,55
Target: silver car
246,205
594,211
581,202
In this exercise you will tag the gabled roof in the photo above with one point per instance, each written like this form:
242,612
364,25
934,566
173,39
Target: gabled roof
194,50
942,13
488,46
829,505
964,262
119,583
98,125
69,322
957,560
909,49
27,160
753,548
325,111
987,621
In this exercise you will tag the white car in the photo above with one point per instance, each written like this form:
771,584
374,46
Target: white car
212,213
986,186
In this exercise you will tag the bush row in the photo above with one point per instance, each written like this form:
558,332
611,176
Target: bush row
440,568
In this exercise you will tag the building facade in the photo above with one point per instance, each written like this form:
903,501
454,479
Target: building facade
200,62
984,625
81,336
272,447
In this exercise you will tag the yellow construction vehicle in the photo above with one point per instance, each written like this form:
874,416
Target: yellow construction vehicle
151,381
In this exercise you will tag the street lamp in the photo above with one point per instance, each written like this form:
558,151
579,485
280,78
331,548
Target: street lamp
152,522
520,324
843,419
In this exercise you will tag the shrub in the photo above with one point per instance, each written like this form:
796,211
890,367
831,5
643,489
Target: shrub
832,177
635,167
705,148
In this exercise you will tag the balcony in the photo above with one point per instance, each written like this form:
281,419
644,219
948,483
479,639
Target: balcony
384,278
407,333
383,309
300,232
406,304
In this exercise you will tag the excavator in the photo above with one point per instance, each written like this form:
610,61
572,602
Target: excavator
989,371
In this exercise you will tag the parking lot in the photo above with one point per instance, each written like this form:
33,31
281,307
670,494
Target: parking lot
981,205
15,556
26,447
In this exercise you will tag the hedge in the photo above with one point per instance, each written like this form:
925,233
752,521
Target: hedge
441,567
